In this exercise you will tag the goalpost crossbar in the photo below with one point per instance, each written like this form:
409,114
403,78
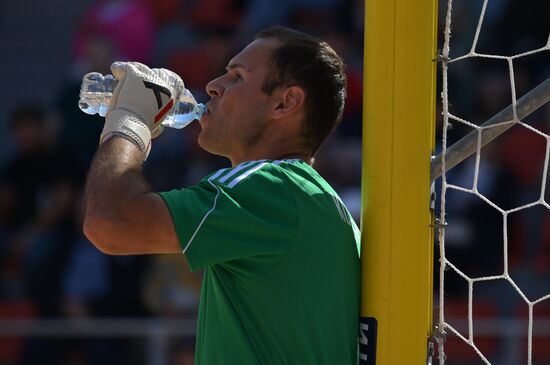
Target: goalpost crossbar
492,128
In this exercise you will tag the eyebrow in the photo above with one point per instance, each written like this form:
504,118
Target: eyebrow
237,65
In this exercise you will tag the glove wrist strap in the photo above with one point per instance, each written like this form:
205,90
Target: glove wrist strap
122,122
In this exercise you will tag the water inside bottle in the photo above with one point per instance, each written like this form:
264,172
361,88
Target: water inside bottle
95,93
97,90
185,111
183,114
88,106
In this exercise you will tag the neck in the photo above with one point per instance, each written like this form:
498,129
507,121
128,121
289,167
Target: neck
278,141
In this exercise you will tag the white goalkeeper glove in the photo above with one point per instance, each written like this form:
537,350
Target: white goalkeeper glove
141,100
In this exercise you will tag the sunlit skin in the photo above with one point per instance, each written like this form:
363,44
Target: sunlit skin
243,123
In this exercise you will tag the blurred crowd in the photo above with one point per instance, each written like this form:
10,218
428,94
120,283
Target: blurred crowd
49,270
47,267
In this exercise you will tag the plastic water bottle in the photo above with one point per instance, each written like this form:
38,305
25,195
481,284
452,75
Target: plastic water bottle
96,92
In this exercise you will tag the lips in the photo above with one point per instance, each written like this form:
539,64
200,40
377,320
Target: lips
204,116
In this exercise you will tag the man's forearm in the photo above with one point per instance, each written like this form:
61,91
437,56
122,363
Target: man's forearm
115,178
122,215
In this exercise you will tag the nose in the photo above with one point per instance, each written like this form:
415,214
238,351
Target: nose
214,88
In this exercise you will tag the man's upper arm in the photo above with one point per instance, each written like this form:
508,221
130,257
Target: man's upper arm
142,226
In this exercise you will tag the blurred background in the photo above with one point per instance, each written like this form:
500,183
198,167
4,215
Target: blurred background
97,309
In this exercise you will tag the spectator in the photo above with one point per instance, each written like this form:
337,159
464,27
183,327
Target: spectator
79,131
42,181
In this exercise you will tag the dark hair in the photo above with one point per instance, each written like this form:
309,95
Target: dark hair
305,61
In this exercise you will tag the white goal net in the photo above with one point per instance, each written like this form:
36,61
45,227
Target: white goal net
494,214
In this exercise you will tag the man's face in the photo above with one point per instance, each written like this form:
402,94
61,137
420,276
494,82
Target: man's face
238,108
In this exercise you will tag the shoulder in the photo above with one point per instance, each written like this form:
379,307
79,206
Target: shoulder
249,184
249,174
259,187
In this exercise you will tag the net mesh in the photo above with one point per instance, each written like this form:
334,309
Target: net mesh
446,265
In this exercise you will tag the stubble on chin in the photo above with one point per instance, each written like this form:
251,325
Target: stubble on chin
202,140
211,143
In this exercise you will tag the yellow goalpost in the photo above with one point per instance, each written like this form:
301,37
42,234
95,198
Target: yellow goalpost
398,140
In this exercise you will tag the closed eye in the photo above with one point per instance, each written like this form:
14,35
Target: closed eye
236,69
237,76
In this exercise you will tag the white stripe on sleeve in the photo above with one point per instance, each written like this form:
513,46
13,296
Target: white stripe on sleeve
218,173
205,216
236,170
246,174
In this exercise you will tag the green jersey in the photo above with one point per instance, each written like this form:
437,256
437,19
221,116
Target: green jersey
280,254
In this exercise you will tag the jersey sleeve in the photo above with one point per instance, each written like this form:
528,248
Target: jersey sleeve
247,226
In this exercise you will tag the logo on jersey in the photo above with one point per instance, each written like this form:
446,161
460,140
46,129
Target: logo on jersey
157,91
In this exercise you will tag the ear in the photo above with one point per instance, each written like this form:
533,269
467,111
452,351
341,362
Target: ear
289,101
